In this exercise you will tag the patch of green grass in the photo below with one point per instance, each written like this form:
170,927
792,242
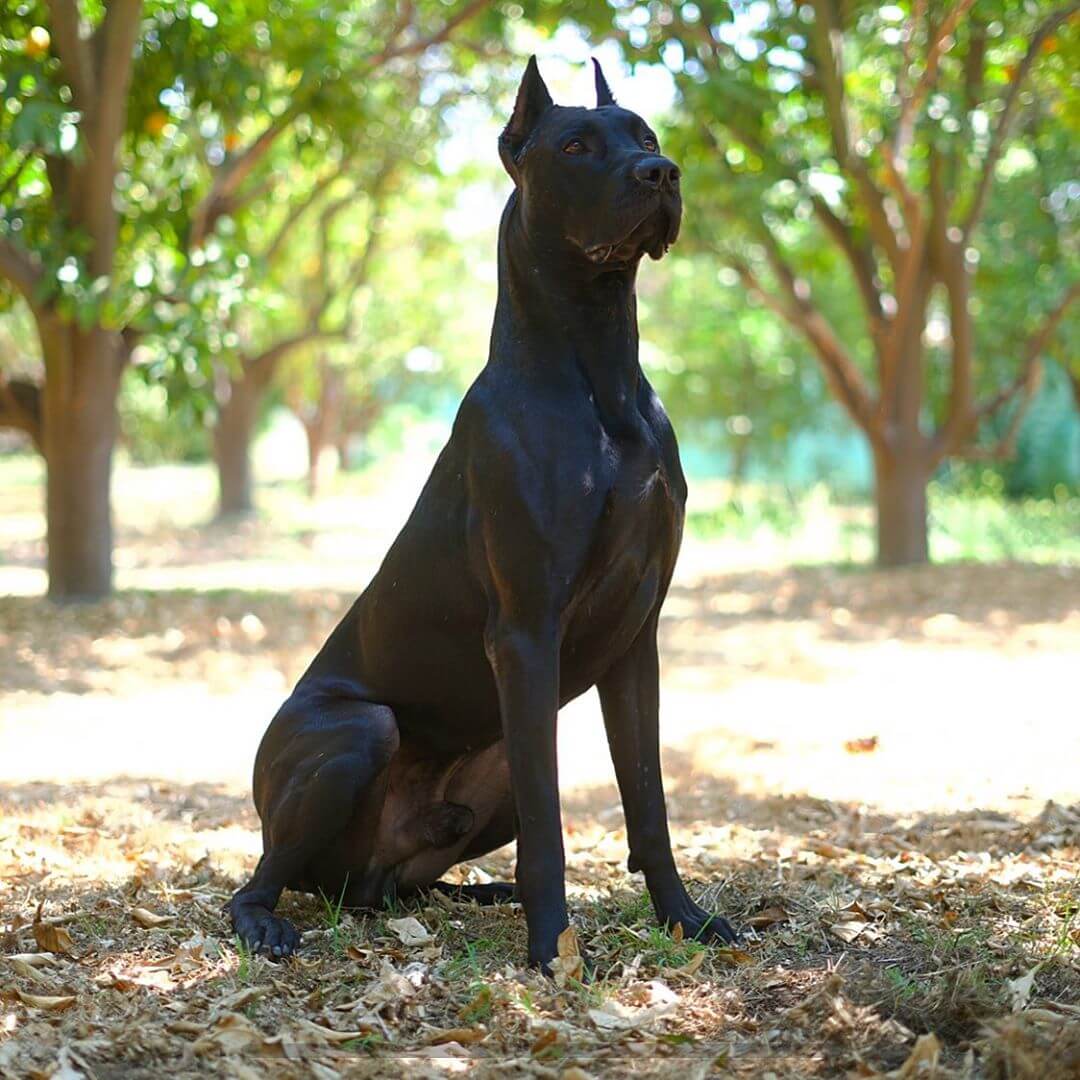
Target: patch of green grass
244,967
633,909
369,1043
475,956
902,985
1068,938
662,950
817,526
332,912
988,528
92,925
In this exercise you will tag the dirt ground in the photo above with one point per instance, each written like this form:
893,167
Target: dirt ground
873,774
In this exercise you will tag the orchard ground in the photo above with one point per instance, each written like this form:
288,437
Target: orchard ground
874,773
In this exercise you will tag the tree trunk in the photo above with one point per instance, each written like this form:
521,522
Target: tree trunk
343,442
315,443
233,435
82,377
900,481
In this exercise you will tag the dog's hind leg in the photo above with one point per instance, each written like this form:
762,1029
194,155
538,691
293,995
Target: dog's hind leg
320,780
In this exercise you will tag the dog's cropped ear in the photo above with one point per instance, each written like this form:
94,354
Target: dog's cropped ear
533,100
604,96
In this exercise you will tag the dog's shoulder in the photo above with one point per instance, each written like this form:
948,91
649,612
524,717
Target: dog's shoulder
523,474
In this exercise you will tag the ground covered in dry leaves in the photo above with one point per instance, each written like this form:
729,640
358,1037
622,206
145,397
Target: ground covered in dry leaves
874,775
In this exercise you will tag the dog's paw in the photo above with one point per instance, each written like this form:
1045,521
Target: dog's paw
263,932
560,957
699,925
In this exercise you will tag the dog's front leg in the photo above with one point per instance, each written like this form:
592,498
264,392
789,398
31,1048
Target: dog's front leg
525,660
630,699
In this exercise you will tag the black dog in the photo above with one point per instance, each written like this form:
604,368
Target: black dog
532,568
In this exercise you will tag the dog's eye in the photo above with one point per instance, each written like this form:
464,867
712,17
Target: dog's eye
650,144
574,146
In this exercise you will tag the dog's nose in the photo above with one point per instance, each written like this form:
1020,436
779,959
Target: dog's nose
656,172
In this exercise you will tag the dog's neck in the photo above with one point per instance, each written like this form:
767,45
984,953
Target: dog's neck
556,309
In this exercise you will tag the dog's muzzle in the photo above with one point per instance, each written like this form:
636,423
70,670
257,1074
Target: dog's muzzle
652,235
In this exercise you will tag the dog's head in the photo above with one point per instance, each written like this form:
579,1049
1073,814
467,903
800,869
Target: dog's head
593,179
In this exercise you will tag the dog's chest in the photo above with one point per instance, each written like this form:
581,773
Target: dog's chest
642,517
630,557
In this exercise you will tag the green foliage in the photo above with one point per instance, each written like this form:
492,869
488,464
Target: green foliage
773,174
1048,449
209,275
153,433
731,375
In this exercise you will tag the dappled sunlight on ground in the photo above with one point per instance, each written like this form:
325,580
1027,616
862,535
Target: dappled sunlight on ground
872,773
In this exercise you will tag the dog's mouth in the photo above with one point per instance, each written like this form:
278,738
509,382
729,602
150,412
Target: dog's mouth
653,234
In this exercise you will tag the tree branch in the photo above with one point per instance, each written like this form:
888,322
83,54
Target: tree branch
828,44
953,273
1036,346
861,260
262,365
828,41
221,199
1008,113
910,307
419,45
912,103
918,12
21,269
795,307
20,408
358,273
903,191
300,209
114,47
74,51
1026,382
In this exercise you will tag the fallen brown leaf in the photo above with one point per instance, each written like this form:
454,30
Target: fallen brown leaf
148,919
231,1033
363,956
862,746
548,1037
465,1036
568,965
409,931
50,938
48,1002
332,1035
736,957
243,997
27,970
923,1061
690,967
826,849
768,917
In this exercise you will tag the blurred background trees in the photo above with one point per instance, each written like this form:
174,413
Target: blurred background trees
214,213
865,144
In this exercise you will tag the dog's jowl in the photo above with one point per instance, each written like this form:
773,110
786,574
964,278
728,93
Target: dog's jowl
533,567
